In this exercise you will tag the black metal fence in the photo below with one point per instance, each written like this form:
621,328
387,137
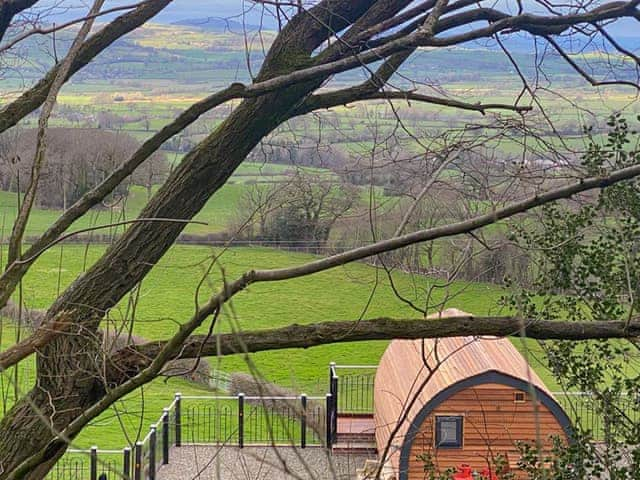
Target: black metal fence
69,467
352,385
91,464
590,416
154,449
138,463
254,420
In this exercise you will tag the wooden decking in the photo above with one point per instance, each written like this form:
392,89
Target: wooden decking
356,425
356,434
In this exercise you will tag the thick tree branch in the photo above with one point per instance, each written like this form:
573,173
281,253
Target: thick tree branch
535,24
240,91
137,357
171,348
291,69
539,25
43,335
9,9
256,276
344,97
16,270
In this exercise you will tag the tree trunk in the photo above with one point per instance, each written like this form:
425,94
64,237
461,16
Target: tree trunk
69,368
60,396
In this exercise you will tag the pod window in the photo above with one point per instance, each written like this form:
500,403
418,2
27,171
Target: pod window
449,431
519,397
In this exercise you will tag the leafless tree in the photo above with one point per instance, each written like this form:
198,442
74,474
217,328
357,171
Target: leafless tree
302,211
72,168
75,380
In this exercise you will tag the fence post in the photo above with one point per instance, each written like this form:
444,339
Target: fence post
328,408
178,419
165,436
241,420
137,467
334,413
93,463
153,443
126,463
332,368
303,421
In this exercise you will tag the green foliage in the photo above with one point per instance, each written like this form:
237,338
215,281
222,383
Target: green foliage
561,463
588,259
430,469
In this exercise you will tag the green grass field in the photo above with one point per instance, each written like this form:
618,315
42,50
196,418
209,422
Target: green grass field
167,299
162,70
217,213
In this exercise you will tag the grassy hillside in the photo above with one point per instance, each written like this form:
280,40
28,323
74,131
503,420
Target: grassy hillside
166,299
146,80
217,213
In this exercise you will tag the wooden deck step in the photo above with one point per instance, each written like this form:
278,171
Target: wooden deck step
356,426
356,434
360,447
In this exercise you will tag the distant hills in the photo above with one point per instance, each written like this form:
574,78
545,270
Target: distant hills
520,42
216,24
523,43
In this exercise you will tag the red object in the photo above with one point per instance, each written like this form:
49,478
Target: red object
464,473
488,474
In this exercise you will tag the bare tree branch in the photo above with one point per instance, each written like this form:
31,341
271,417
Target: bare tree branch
45,31
33,98
9,9
344,97
20,224
137,357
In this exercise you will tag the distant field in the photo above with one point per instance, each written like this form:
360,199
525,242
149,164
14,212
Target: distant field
217,213
166,299
160,71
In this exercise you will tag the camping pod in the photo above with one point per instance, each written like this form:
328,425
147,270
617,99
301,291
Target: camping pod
460,401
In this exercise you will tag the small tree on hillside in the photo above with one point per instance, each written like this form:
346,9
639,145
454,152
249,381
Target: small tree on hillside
302,210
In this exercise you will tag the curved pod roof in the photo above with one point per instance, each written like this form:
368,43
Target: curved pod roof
408,385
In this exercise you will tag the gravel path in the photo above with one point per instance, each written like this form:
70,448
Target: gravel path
209,462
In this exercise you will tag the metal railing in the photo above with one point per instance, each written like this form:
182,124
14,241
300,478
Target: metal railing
355,384
138,463
69,467
153,450
253,420
591,418
273,420
92,463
